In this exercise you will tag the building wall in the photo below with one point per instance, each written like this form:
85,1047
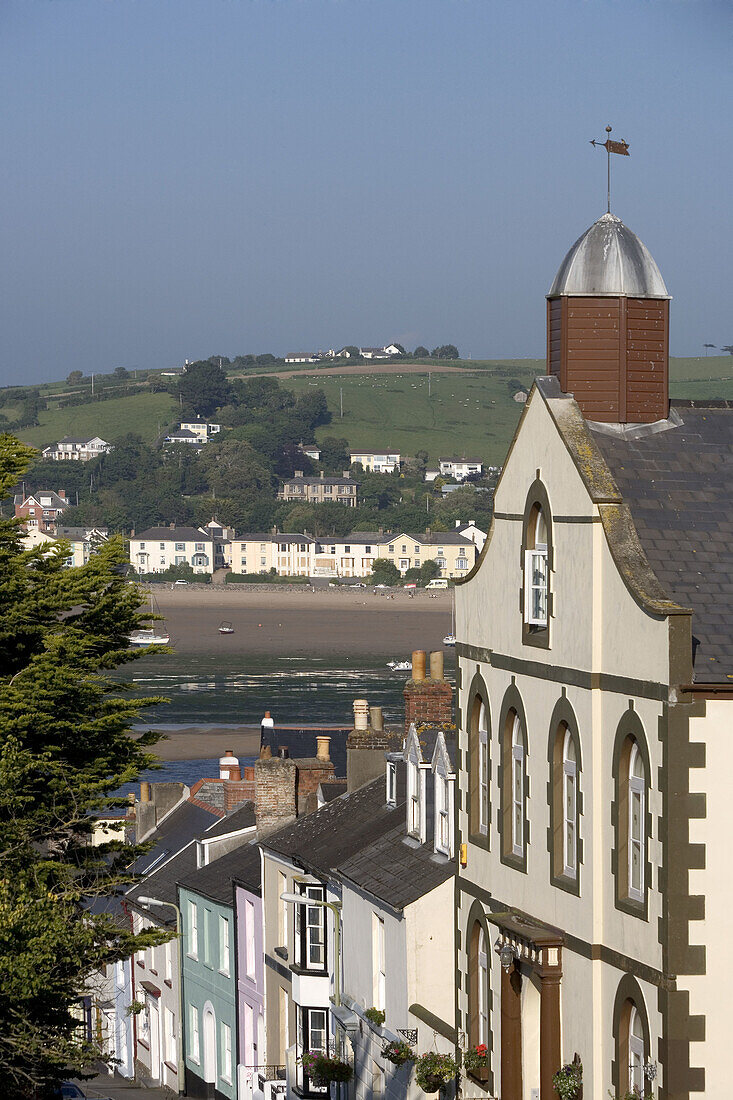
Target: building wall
710,881
150,966
250,984
606,655
206,988
157,555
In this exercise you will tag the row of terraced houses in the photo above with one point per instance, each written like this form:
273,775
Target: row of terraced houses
531,878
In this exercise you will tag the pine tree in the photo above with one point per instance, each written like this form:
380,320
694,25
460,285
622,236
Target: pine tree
65,746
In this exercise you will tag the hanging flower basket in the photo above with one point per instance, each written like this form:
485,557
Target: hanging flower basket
568,1081
433,1070
398,1052
375,1016
476,1062
135,1008
323,1070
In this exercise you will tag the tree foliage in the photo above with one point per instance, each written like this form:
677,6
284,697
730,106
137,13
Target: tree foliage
385,571
65,746
445,351
204,388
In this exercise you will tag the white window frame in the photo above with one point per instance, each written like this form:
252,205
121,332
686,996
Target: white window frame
194,1045
637,1082
225,1035
171,1038
415,801
249,931
536,575
442,831
636,844
569,807
224,946
482,989
283,910
168,961
192,939
517,779
483,764
391,779
379,969
311,927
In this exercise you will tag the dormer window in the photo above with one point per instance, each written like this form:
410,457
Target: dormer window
415,801
535,569
443,816
391,783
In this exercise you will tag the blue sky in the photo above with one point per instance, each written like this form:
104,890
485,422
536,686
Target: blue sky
187,177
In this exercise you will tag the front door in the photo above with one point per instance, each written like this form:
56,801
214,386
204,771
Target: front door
511,1033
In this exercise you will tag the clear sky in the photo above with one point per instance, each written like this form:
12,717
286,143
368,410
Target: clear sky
181,178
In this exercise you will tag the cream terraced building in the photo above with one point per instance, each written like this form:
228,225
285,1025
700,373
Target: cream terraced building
595,674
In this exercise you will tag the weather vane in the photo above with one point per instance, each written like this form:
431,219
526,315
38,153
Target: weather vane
620,147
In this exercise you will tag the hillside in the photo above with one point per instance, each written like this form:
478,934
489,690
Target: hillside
144,413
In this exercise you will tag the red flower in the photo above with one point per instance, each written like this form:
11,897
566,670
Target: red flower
482,1049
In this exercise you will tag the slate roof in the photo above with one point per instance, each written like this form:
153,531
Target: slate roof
678,484
321,841
216,881
320,481
162,883
396,869
174,534
241,818
302,743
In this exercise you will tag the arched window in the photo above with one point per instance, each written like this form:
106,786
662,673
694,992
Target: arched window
637,810
479,777
536,568
636,1052
570,806
632,1039
631,821
483,770
478,1008
517,787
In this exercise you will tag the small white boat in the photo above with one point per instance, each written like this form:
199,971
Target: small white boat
399,666
148,637
450,639
226,628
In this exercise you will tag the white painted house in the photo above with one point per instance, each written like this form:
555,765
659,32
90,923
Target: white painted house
76,449
460,468
158,548
376,462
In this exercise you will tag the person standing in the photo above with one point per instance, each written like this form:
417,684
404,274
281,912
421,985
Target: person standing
266,725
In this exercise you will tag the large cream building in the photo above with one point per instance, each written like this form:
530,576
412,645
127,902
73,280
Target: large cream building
595,653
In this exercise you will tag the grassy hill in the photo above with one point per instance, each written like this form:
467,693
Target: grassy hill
144,413
471,414
468,412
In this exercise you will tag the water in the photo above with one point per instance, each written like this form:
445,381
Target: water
211,690
219,690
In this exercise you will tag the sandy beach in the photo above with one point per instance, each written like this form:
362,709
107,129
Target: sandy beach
192,742
294,621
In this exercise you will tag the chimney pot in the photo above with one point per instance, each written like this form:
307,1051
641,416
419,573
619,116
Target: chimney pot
144,791
376,718
283,752
418,664
436,665
322,752
361,714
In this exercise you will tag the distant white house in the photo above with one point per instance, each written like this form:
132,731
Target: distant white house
301,357
83,541
460,468
377,462
76,449
471,531
312,450
431,475
158,548
385,352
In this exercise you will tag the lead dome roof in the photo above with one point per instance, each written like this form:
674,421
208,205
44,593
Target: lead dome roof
608,259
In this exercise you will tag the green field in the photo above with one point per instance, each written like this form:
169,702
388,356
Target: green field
144,413
464,415
471,414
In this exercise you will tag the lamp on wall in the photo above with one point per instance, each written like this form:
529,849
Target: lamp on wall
506,954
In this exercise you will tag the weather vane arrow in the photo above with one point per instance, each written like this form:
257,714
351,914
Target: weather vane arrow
621,147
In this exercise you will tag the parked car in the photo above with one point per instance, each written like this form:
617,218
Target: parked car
175,583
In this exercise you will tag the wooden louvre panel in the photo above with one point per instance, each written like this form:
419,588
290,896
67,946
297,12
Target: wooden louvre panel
647,360
612,355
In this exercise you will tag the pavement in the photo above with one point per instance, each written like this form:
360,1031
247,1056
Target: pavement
112,1087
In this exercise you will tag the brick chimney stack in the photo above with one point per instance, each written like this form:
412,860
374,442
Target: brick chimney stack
428,699
365,746
275,804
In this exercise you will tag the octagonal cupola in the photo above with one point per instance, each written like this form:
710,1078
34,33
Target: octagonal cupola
608,326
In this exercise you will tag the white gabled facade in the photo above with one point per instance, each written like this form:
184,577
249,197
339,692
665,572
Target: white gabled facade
158,548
